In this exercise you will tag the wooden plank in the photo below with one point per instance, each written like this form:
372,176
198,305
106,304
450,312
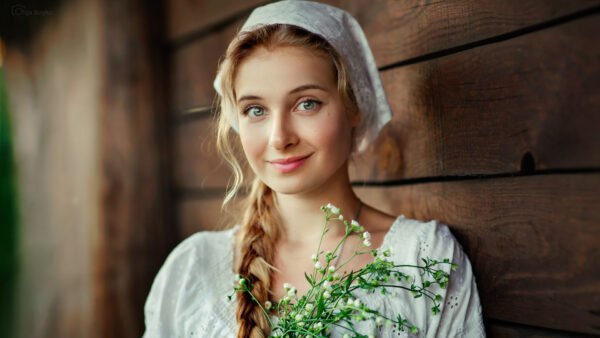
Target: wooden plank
195,215
194,68
136,217
501,329
534,242
483,110
526,103
189,16
401,30
196,163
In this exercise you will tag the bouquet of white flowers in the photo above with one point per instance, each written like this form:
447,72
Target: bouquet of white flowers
330,300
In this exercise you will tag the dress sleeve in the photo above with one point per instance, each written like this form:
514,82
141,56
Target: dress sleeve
460,314
163,305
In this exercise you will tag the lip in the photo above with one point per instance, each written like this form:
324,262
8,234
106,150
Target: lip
289,164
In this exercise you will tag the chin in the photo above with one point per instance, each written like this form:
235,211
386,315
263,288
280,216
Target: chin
291,186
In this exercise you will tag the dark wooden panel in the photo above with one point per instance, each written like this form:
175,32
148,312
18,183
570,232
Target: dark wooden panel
534,242
482,110
499,329
135,219
194,67
401,30
201,214
477,112
196,163
190,16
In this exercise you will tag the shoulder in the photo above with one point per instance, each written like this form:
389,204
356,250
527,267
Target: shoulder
411,241
424,238
200,248
199,263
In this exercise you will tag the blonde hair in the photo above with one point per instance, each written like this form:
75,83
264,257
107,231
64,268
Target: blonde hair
259,223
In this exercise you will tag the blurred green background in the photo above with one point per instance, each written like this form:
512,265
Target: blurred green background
8,216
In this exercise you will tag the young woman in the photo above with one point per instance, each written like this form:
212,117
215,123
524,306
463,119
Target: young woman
300,87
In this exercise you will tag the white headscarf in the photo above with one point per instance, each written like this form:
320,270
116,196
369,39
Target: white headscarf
346,36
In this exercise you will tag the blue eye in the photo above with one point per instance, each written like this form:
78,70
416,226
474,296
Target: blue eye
258,110
308,104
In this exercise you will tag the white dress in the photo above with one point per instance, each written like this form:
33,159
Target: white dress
189,295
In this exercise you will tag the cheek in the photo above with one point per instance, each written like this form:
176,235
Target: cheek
252,147
332,134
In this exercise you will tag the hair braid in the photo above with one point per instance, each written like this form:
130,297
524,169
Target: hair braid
260,233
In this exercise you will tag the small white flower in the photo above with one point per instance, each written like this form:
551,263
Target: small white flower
341,217
326,295
318,325
336,276
335,210
379,321
310,306
346,335
298,317
331,268
367,243
314,257
357,303
287,286
367,235
327,285
318,266
268,305
292,292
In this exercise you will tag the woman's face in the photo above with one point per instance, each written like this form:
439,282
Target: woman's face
288,107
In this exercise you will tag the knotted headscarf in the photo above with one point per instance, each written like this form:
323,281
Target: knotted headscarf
346,36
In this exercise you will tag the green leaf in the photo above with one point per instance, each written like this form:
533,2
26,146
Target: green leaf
309,280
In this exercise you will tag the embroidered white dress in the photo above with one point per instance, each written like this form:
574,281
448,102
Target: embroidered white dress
189,295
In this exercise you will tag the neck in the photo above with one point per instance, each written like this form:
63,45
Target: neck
301,217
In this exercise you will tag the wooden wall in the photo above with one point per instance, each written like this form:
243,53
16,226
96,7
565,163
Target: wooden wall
88,104
496,133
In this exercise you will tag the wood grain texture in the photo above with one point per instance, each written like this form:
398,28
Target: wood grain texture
194,67
196,162
480,111
401,30
188,16
519,105
534,242
195,215
136,229
499,329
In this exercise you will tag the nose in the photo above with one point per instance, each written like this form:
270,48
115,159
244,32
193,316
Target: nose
283,134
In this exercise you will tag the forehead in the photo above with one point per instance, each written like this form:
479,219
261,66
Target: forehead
282,69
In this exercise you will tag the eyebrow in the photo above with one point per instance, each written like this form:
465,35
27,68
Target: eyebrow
299,89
